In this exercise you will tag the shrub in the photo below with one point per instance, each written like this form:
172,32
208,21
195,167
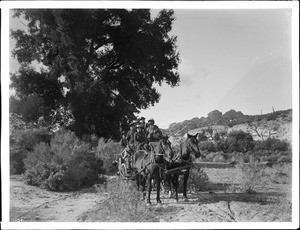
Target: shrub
124,204
250,176
210,146
272,144
231,157
204,156
17,157
38,164
198,180
66,164
279,174
219,157
23,141
223,145
273,157
107,152
240,141
285,159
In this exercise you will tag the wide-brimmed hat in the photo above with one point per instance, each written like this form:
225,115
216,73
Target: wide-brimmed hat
142,118
133,122
151,119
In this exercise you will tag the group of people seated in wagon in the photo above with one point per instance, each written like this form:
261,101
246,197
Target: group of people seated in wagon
141,136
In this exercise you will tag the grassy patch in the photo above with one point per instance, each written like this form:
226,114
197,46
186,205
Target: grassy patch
250,176
123,204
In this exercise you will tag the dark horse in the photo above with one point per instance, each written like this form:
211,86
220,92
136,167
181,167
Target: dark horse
183,158
150,165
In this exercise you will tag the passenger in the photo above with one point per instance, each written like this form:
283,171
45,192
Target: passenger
140,139
154,134
130,134
123,142
149,126
143,123
153,131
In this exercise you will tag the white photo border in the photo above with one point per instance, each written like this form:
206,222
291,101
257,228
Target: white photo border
6,6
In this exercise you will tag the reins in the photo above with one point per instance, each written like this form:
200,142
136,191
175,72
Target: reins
152,160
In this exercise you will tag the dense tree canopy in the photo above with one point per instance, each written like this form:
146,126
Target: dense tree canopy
99,63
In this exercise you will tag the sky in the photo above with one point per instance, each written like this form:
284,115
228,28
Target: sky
229,59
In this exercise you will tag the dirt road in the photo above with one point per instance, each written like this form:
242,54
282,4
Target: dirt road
30,203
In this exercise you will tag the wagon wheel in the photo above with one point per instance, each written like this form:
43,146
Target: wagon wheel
123,171
120,166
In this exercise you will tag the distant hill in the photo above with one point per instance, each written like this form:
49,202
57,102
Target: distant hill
232,120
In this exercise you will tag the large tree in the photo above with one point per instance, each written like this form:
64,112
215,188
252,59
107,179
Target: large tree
102,63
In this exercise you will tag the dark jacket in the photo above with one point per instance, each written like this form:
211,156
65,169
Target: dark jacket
130,136
139,137
155,136
123,142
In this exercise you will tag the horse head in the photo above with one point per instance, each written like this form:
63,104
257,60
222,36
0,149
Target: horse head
169,153
191,146
164,150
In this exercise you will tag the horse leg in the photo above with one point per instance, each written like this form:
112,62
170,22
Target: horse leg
138,181
143,183
176,185
149,188
158,180
185,179
169,184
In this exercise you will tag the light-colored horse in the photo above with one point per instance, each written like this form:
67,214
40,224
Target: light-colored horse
183,158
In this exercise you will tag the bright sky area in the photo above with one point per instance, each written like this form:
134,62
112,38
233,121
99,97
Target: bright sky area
230,59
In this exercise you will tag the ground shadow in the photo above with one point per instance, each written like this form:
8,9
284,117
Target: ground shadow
261,198
214,187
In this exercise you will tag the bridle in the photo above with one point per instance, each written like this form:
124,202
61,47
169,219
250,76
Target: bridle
189,149
163,152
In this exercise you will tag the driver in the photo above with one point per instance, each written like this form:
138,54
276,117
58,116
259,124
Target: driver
130,134
140,139
123,140
154,134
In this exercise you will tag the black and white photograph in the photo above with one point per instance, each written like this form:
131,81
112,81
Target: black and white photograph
161,115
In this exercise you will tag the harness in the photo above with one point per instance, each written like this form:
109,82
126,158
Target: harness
180,159
152,160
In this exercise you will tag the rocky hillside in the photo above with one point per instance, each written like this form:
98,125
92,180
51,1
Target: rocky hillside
235,120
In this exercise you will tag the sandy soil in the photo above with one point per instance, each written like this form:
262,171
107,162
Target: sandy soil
30,203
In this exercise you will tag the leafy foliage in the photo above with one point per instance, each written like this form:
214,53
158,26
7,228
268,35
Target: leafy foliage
16,123
23,138
107,152
102,63
272,144
36,93
210,146
240,141
198,179
66,164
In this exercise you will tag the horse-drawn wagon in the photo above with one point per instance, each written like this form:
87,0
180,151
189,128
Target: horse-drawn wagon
158,164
